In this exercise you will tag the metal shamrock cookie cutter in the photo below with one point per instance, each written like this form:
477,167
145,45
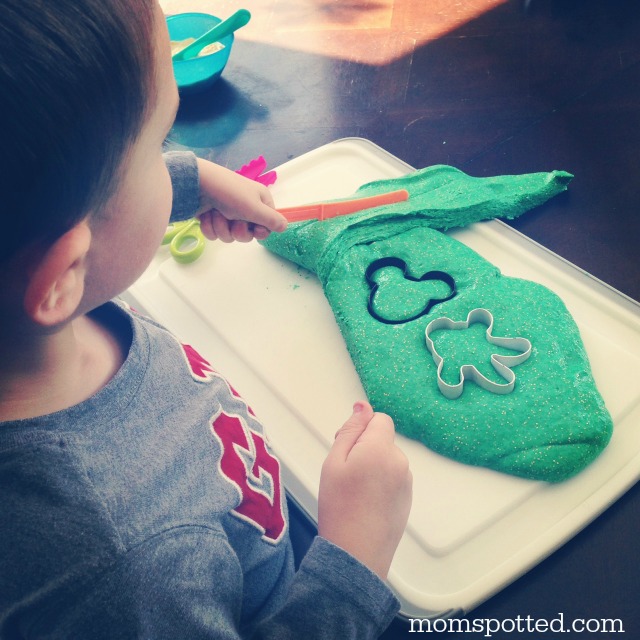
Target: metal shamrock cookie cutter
501,363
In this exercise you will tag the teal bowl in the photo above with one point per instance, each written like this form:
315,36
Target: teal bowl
197,74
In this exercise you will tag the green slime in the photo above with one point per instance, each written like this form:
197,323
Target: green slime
554,423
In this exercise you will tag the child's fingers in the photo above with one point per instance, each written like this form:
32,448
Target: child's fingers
260,232
365,486
221,227
216,225
266,216
206,225
380,428
352,429
240,231
267,197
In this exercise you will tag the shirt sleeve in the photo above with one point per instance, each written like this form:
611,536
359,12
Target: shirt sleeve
185,180
188,583
332,596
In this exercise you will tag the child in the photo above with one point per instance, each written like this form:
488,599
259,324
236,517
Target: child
139,498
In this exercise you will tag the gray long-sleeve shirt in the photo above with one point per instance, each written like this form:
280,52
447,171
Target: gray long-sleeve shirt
155,509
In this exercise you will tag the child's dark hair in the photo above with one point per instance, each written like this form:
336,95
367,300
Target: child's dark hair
76,81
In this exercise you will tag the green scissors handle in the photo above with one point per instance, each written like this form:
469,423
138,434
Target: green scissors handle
185,239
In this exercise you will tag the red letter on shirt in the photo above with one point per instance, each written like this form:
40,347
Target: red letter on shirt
248,465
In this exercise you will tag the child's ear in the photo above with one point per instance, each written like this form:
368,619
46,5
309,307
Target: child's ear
56,284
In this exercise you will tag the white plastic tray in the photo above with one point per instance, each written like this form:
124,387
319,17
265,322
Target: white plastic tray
267,326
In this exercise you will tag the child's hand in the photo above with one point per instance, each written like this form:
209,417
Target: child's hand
365,490
234,207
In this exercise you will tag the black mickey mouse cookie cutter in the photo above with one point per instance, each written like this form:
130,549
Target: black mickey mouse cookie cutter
398,263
